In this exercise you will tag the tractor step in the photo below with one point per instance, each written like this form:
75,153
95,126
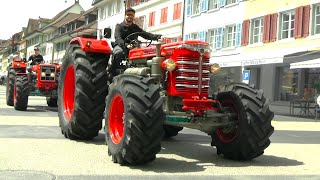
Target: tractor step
35,93
177,119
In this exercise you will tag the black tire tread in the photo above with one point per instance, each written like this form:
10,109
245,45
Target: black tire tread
144,119
22,88
256,128
91,90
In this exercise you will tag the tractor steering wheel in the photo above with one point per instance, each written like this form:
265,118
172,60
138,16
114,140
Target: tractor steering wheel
135,42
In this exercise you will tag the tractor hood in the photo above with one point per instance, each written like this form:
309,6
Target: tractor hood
167,49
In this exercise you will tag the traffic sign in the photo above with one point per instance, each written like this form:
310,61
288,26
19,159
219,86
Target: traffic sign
246,76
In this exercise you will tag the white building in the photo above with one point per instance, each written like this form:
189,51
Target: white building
159,17
110,12
218,22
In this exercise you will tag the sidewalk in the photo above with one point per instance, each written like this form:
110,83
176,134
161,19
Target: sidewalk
282,109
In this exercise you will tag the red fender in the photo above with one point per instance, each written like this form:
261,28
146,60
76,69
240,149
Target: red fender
92,45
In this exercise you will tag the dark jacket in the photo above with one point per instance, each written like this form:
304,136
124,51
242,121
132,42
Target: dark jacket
122,31
35,59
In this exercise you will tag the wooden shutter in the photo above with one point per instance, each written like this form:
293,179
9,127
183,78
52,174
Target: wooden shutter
273,28
306,20
266,28
151,19
245,32
177,11
298,22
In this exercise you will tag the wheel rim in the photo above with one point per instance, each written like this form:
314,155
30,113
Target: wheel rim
116,119
68,92
229,134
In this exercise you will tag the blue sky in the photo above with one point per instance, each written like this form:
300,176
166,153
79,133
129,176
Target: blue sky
14,14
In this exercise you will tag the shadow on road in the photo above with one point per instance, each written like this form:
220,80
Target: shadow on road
42,109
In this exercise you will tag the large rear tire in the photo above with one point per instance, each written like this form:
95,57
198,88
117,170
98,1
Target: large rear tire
52,101
81,94
134,119
21,93
10,87
249,136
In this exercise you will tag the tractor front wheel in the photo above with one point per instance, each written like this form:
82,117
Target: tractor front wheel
134,119
21,93
249,135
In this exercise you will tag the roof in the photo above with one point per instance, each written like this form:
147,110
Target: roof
62,12
68,18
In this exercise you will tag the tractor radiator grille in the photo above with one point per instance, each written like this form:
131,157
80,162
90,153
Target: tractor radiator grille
187,79
47,70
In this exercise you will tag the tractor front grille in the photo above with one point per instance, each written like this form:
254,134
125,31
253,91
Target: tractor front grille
187,80
48,70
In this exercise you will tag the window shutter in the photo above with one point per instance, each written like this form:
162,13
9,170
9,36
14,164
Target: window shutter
245,32
175,9
298,22
188,7
179,38
306,20
202,36
222,3
204,5
238,35
129,3
266,28
273,28
179,10
187,36
219,38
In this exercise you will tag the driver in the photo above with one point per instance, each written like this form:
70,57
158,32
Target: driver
122,30
36,58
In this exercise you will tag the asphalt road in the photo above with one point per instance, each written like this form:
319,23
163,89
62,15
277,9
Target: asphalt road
32,147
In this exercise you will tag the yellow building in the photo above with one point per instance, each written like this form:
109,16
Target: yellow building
277,34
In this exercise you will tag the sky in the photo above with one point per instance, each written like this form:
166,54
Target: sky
14,14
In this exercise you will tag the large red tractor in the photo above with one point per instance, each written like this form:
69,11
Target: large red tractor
24,80
159,90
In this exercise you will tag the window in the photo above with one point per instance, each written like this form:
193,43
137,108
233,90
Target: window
231,36
256,30
213,4
195,6
194,36
177,11
212,36
102,13
164,15
230,2
151,18
287,25
119,6
317,20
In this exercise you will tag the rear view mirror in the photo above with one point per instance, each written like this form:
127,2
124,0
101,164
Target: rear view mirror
107,33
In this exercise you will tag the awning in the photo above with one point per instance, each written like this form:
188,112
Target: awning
315,63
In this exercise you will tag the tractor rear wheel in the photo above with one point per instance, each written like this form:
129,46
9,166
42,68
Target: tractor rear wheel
21,93
170,131
249,136
10,86
52,101
134,119
81,94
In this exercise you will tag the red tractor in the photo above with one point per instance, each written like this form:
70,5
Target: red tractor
24,80
159,90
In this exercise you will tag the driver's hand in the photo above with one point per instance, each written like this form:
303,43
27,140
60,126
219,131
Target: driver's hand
129,46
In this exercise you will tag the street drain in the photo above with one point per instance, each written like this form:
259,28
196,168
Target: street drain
25,175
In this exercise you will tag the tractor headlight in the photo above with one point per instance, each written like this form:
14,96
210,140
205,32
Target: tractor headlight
43,74
52,74
215,68
170,64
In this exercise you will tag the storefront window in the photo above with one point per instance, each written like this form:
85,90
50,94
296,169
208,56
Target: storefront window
288,83
312,83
